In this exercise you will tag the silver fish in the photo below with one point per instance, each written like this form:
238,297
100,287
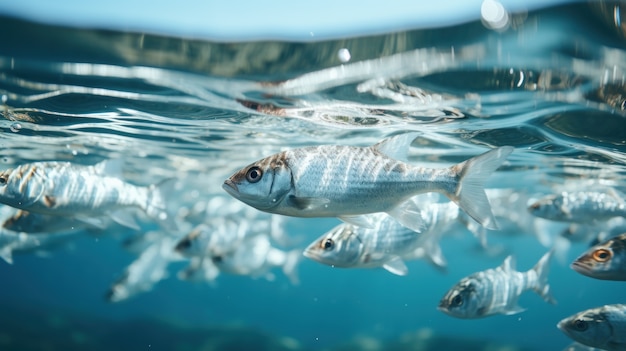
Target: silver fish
256,257
147,270
606,261
388,244
66,189
33,222
580,206
496,291
602,327
348,181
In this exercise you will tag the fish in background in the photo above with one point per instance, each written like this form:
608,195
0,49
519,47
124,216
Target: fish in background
220,235
579,347
81,192
606,261
32,222
349,182
595,233
601,327
147,270
256,257
496,291
387,245
580,206
200,269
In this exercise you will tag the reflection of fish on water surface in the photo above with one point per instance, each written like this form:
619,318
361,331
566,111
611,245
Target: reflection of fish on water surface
348,182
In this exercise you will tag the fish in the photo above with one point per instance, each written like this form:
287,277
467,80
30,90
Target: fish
79,191
605,261
387,245
145,271
256,257
580,206
33,222
200,269
601,327
496,291
348,182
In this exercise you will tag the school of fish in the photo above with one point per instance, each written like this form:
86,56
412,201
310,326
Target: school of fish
392,211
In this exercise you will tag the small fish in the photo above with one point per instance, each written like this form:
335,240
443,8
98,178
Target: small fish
580,206
256,257
606,261
200,269
387,245
33,222
348,182
601,327
496,291
147,270
66,189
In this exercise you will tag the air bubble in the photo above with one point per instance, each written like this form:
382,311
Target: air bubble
344,55
15,127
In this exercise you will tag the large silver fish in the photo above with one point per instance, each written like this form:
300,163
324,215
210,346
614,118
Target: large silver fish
387,245
66,189
606,260
602,327
348,181
496,291
580,206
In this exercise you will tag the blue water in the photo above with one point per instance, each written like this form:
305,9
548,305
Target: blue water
551,84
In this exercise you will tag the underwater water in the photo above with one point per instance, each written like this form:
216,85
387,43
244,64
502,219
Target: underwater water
551,84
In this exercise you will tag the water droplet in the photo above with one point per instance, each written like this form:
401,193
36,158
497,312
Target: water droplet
74,152
494,15
344,55
16,127
4,99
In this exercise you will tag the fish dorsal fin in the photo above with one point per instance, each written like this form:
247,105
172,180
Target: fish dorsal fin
363,221
396,146
111,168
396,266
509,264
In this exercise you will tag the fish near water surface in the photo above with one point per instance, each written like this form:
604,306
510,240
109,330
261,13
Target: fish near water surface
606,261
496,291
602,327
348,182
66,189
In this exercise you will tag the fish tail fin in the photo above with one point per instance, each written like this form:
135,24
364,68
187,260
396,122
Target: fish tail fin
291,265
156,204
542,269
470,192
6,253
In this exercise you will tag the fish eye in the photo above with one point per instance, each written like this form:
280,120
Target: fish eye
328,244
456,301
254,174
4,179
183,244
602,255
580,325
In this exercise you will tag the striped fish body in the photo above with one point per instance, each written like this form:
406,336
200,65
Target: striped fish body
496,291
602,327
580,206
387,245
62,188
347,181
606,261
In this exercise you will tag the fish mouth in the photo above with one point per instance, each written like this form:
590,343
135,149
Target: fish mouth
230,187
581,268
309,254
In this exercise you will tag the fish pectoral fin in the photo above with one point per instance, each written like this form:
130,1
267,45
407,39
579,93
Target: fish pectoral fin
124,218
306,203
94,222
111,168
409,215
514,310
362,221
6,253
396,266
